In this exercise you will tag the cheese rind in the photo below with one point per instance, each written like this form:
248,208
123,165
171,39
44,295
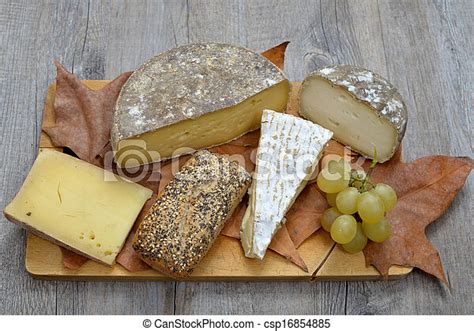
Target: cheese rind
362,108
188,82
288,153
77,205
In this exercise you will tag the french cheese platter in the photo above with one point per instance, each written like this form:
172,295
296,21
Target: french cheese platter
206,163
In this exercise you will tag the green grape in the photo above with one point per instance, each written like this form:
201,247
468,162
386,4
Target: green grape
346,200
340,167
358,177
358,243
331,182
387,194
370,207
344,229
378,232
328,217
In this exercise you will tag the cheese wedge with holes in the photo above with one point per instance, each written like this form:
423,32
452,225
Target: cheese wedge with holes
362,108
193,97
288,153
77,205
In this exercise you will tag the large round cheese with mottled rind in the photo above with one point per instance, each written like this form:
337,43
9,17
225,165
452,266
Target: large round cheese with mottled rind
192,97
362,108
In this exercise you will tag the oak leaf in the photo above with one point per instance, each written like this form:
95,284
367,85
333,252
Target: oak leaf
425,189
303,218
72,260
277,54
127,257
83,117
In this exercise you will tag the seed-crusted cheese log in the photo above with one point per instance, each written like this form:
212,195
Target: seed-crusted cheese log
192,97
362,108
188,216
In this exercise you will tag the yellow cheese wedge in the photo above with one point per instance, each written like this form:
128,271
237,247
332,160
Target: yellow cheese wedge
209,130
77,205
192,97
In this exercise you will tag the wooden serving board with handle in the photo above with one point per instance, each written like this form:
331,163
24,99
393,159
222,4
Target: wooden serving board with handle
225,260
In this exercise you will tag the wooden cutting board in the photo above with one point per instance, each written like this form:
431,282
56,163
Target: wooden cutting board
225,260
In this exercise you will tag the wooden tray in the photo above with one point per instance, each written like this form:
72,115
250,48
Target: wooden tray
225,261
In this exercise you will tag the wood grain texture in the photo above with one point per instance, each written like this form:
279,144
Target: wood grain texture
422,46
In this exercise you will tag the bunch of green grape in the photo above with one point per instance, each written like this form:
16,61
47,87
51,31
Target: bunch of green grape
358,207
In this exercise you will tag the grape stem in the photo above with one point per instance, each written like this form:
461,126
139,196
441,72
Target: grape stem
366,181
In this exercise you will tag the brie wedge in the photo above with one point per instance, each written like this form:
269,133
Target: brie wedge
288,153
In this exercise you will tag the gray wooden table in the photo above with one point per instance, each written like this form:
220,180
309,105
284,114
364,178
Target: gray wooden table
424,47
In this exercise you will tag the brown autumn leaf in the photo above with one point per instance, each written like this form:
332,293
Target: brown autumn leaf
277,54
281,243
303,218
232,227
72,260
83,116
127,257
425,189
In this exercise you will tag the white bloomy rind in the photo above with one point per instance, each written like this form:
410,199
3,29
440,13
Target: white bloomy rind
288,152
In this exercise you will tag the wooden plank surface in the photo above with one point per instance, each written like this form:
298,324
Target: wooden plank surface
224,262
422,46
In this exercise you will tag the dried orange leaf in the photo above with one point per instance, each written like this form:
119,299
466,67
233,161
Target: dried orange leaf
72,260
232,227
282,244
276,55
425,189
127,257
303,218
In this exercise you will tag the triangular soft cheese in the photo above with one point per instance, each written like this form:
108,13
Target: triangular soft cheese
288,152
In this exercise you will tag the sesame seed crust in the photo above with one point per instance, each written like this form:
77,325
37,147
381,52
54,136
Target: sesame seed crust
183,223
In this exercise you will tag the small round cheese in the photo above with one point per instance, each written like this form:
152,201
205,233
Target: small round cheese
362,108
